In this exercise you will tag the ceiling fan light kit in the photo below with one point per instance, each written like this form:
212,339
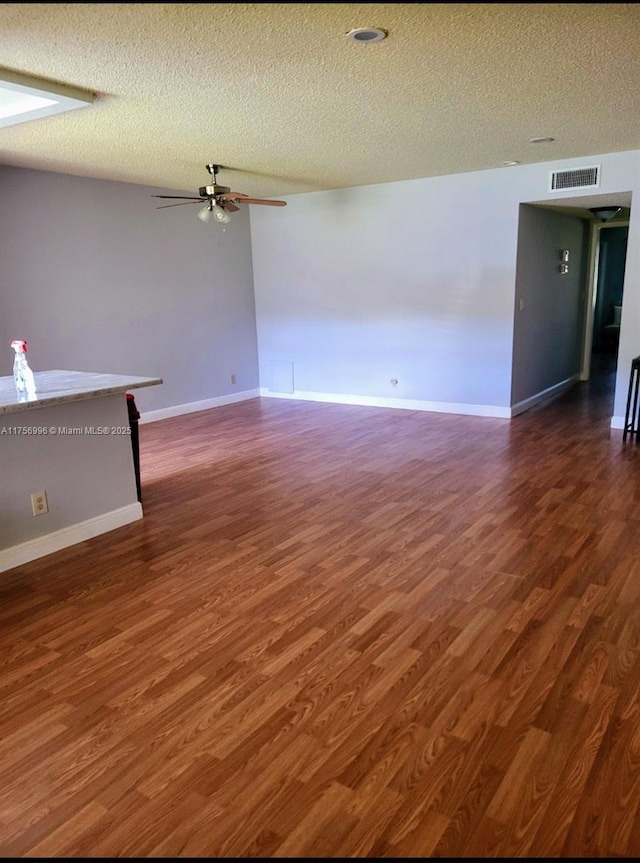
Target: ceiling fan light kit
204,214
220,200
214,211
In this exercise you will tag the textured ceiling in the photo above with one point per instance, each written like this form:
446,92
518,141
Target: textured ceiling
278,95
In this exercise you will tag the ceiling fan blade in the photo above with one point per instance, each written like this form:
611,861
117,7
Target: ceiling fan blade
181,204
227,205
179,197
267,203
241,198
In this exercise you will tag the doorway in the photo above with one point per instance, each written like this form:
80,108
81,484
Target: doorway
607,261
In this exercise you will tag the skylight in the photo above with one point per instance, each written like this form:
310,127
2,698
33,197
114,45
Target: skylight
23,99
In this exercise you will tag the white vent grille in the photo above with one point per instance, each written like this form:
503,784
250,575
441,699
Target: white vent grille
575,178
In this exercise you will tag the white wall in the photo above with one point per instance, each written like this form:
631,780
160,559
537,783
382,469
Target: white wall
629,346
404,280
412,280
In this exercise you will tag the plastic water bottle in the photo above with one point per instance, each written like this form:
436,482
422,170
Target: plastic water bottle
22,373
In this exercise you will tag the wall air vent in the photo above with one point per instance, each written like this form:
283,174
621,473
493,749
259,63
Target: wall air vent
575,178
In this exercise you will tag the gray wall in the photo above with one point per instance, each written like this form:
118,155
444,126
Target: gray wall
85,476
550,307
97,279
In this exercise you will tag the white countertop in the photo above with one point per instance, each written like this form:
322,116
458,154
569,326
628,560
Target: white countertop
59,386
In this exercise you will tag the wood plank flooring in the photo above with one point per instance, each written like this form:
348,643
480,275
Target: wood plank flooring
339,631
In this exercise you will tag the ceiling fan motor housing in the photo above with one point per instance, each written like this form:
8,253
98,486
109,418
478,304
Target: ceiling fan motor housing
208,191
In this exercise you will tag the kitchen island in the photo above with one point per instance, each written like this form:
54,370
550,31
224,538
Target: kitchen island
68,444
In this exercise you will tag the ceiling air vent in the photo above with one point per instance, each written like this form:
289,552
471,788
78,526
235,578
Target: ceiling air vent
575,178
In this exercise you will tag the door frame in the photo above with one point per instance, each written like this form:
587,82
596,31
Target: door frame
591,291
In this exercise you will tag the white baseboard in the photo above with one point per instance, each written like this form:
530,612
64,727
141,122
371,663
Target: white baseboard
403,404
617,422
495,411
544,395
43,545
194,407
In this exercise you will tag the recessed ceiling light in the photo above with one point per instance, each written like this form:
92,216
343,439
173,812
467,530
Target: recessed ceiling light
367,34
540,140
511,162
23,98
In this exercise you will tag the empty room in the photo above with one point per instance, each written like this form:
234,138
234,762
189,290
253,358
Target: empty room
319,445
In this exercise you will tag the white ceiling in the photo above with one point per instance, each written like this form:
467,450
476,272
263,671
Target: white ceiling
278,95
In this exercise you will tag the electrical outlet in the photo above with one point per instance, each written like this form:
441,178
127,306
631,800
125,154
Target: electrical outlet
232,379
39,503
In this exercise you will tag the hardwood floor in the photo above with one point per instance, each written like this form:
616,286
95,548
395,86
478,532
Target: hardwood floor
339,631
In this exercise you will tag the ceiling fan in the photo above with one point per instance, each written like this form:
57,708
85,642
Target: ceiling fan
219,200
